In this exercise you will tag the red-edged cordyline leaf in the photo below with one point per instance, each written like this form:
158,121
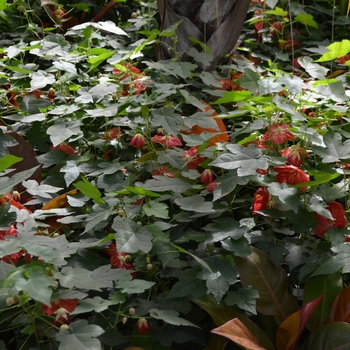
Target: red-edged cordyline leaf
290,330
258,271
328,286
333,336
221,316
236,331
340,311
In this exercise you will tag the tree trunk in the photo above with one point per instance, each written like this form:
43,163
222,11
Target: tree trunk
216,23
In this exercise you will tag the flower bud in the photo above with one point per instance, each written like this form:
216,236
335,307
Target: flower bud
138,141
143,326
131,311
134,15
148,260
149,267
16,196
9,301
63,327
125,319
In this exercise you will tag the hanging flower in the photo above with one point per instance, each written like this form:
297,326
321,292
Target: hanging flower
278,134
167,141
61,309
211,186
143,326
339,220
261,199
138,141
113,133
119,260
192,158
207,176
294,154
65,148
163,171
291,175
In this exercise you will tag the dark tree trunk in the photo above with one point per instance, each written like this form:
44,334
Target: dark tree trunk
216,23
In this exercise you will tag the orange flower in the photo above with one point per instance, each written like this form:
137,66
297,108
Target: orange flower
339,220
278,134
292,175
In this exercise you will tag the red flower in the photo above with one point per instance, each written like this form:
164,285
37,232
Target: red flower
61,308
294,155
343,59
65,148
51,94
278,134
292,175
276,28
113,133
143,326
119,260
168,141
288,44
68,304
11,96
207,176
192,158
211,187
162,171
261,199
14,257
138,141
339,220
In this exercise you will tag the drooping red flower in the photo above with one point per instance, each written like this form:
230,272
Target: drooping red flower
169,141
343,59
138,141
143,326
207,176
119,260
288,44
68,304
14,257
211,186
278,134
276,28
163,171
261,199
339,220
113,133
192,158
294,154
291,175
65,148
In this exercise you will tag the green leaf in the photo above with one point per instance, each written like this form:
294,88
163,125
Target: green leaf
129,237
335,150
167,119
306,19
331,336
96,304
3,5
328,286
245,159
216,284
63,130
76,277
132,286
140,191
249,80
233,96
97,60
8,160
80,335
171,317
27,278
222,230
165,183
71,171
40,190
40,79
156,209
227,183
89,190
258,271
287,195
244,298
336,50
195,203
277,12
313,69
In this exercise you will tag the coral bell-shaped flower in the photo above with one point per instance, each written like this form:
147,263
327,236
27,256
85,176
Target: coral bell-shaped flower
294,155
65,148
211,186
278,134
339,220
138,141
291,175
207,176
113,133
119,260
143,326
261,199
172,141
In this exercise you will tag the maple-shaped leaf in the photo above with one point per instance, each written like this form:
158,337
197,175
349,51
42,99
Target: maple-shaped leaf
335,150
245,159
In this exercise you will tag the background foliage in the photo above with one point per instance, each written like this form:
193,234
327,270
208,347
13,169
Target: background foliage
151,205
